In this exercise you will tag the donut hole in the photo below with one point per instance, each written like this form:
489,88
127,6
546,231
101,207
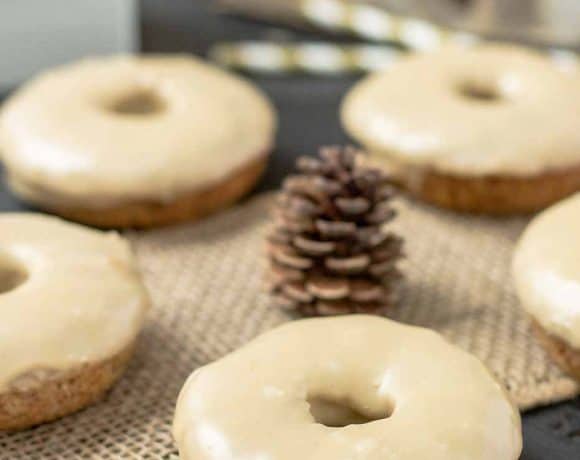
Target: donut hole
139,102
12,274
341,412
479,91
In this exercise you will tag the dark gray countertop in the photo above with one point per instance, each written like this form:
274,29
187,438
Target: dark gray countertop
308,118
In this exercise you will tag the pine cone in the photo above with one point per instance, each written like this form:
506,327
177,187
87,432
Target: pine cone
328,251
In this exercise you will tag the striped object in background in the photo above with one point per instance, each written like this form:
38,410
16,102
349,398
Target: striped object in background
387,34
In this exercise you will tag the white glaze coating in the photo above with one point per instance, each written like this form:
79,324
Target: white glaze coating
415,113
252,404
62,144
546,270
82,301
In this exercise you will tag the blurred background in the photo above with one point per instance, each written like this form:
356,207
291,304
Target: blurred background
331,46
250,35
35,34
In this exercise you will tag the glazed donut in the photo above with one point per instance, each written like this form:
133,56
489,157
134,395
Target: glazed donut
135,141
71,307
491,129
546,270
352,387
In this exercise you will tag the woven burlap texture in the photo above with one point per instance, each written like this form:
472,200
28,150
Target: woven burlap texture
206,283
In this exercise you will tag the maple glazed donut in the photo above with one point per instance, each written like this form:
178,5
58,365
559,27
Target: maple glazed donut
546,269
488,129
135,141
342,388
71,307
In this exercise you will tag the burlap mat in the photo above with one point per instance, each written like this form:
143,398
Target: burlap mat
205,280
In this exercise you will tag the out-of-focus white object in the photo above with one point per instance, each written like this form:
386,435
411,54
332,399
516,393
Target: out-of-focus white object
549,22
371,23
37,34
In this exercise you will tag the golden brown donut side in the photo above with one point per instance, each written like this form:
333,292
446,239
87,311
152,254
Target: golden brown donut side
190,206
567,357
495,195
68,392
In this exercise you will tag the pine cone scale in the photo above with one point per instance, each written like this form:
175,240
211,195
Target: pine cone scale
348,265
287,257
333,229
352,206
297,292
328,249
313,247
328,288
